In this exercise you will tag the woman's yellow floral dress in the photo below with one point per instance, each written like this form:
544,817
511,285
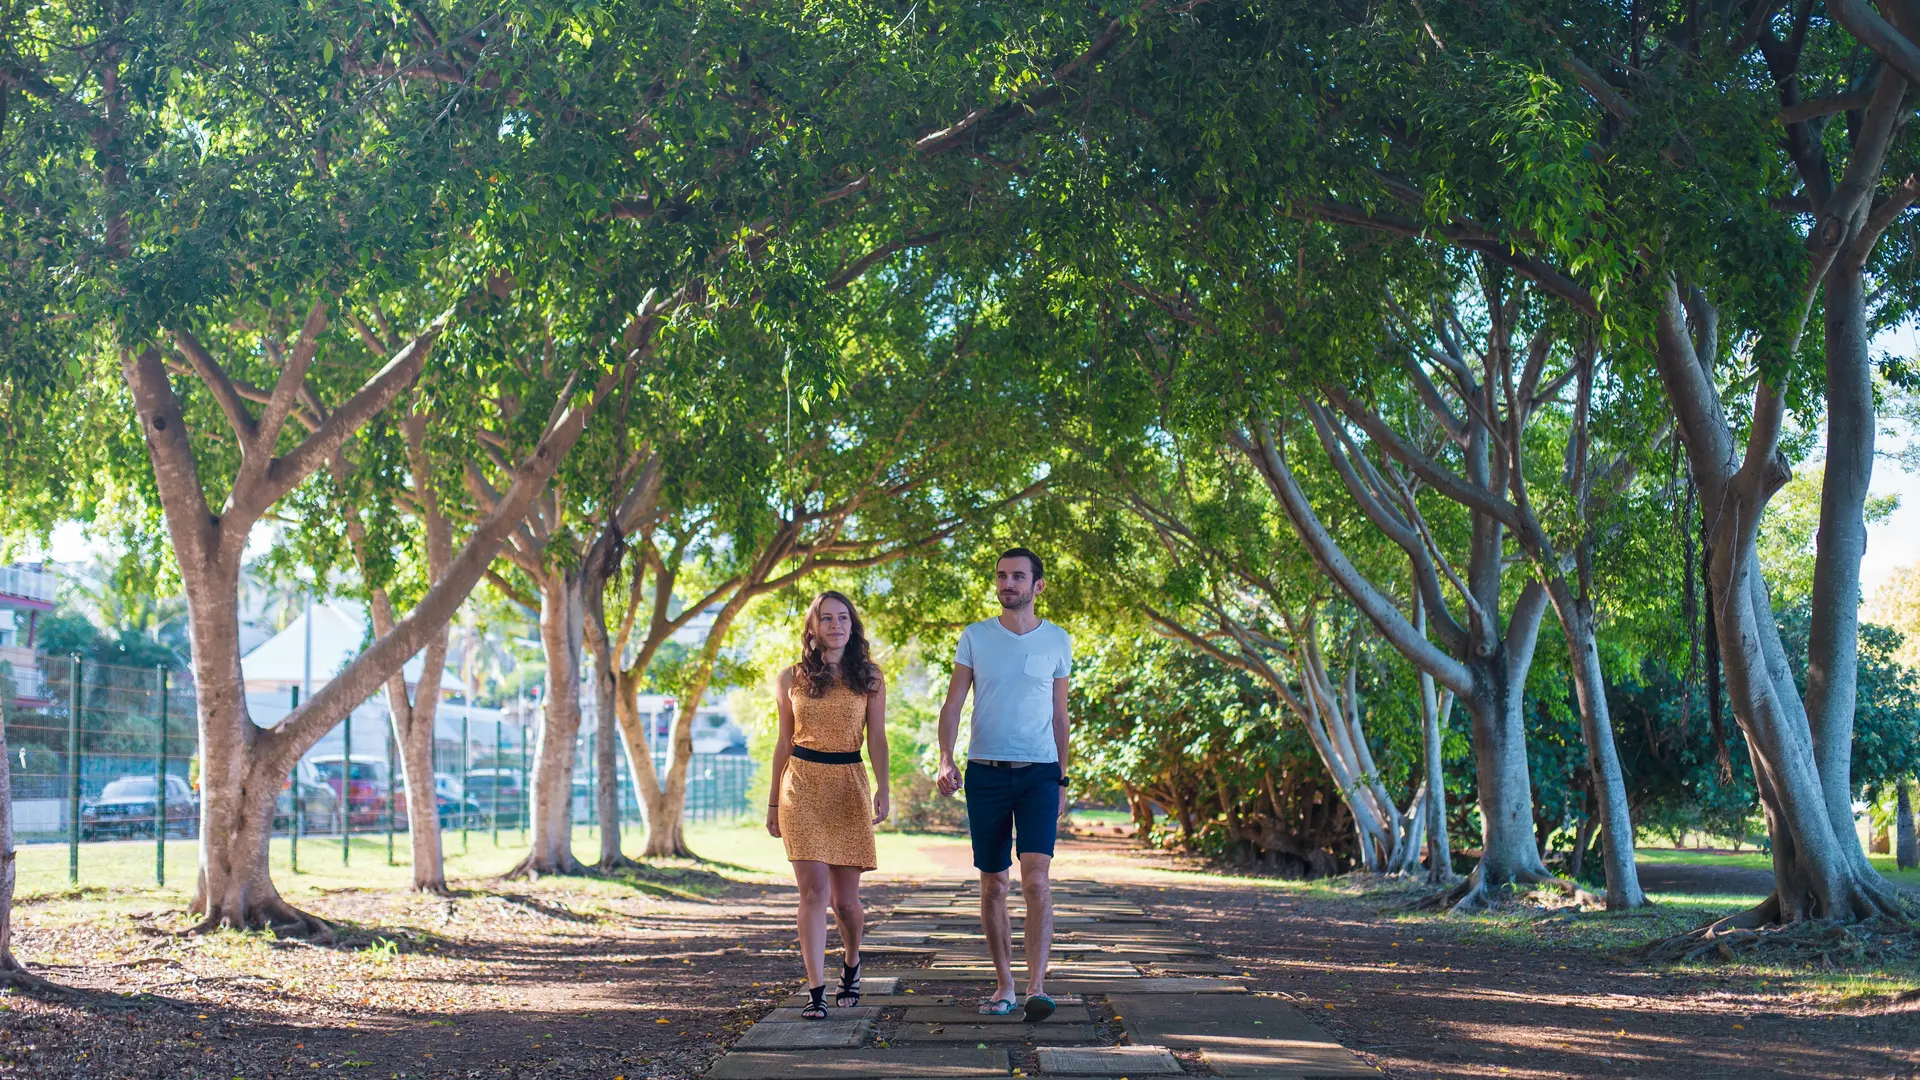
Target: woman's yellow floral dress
826,811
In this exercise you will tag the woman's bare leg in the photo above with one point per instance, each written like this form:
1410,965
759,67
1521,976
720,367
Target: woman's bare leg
816,890
847,910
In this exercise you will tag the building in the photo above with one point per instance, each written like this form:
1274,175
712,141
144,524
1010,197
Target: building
293,662
26,593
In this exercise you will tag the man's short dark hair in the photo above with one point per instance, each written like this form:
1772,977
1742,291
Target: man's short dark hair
1039,571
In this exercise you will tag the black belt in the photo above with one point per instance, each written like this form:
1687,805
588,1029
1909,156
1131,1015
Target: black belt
822,757
1005,764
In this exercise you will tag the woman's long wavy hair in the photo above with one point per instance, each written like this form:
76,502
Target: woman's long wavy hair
856,668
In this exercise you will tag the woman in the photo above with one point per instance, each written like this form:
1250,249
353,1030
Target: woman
821,809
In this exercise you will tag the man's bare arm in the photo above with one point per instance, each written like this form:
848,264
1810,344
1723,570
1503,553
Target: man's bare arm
948,776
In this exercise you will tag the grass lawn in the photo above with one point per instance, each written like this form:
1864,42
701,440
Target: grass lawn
740,851
1758,860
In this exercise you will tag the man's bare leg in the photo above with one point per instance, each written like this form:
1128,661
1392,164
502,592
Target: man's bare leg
1037,887
999,930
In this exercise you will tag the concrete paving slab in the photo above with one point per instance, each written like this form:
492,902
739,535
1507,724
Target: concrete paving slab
966,1003
930,1063
1044,1034
1244,1036
1108,1061
814,1035
1198,967
791,1015
1150,985
966,1014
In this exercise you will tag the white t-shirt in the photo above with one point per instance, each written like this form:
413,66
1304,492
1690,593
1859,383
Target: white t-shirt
1013,688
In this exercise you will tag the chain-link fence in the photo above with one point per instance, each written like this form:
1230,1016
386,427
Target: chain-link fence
102,752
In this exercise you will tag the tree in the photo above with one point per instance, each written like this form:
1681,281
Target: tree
203,286
1171,727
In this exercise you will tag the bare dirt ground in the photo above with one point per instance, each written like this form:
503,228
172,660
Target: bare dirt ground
1434,996
557,978
587,978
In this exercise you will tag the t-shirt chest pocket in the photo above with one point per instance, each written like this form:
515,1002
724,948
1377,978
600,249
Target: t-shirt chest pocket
1039,666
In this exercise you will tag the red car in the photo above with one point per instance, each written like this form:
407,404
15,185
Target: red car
365,788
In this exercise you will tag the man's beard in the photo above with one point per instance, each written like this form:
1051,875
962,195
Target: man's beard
1019,601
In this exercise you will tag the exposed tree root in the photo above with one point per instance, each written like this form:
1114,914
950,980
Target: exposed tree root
282,918
529,869
617,864
1738,939
15,976
433,888
1530,888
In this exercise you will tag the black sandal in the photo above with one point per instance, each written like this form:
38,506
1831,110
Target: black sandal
849,995
817,1008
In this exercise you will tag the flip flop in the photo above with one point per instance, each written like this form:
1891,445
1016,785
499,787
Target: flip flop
997,1007
1039,1007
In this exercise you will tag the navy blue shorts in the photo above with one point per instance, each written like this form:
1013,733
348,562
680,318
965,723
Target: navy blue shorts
1002,802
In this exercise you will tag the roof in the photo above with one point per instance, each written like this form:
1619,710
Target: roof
337,637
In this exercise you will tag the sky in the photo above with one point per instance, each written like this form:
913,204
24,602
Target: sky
1894,542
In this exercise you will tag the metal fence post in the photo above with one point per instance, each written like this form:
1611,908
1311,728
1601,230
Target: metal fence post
466,732
160,795
73,773
346,792
390,756
293,839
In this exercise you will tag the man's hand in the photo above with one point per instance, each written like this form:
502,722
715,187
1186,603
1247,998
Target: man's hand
882,806
948,778
773,820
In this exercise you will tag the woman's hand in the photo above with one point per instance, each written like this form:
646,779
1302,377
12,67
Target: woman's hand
773,820
882,806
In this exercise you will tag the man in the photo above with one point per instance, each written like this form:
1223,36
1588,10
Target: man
1016,783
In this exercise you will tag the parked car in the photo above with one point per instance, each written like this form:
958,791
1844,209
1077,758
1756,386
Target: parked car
481,787
450,801
129,806
363,782
716,733
319,805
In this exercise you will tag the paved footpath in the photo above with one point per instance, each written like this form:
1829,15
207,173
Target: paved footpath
1138,998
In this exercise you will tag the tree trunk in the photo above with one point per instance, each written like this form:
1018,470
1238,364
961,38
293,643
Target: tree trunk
1833,639
12,971
1906,844
611,731
1439,847
413,731
550,824
667,803
234,887
1819,871
415,739
1603,759
242,765
608,736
